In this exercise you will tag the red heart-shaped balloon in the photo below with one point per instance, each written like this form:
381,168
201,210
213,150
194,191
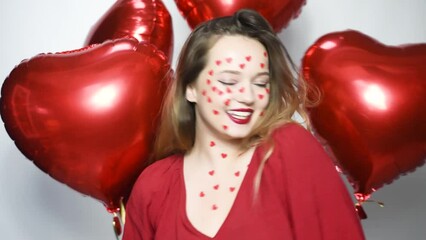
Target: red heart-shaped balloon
147,21
278,13
87,117
372,110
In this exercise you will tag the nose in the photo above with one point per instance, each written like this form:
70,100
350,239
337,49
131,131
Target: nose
245,94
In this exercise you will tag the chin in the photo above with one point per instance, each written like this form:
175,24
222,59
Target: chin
237,135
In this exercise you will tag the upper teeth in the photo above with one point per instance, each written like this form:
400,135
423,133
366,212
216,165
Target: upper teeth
239,114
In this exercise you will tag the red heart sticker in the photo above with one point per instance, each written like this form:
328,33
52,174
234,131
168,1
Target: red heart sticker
227,102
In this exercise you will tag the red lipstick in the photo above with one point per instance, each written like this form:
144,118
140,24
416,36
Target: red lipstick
240,116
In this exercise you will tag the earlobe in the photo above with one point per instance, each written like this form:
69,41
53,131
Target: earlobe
191,94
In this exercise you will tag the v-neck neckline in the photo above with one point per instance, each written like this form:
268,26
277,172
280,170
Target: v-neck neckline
241,190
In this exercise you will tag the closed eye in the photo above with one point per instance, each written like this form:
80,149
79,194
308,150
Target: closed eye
263,85
227,83
261,80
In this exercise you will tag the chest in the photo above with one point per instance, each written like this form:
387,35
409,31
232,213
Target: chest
211,196
188,219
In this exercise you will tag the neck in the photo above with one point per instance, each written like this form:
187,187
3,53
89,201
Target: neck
215,151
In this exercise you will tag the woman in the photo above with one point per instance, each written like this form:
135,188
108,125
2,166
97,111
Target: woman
235,166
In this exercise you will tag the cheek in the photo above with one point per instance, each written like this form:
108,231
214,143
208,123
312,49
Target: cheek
262,97
265,101
214,97
210,89
215,94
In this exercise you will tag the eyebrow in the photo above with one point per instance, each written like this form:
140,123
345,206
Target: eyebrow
237,73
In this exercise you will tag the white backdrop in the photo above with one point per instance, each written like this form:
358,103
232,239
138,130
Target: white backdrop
34,206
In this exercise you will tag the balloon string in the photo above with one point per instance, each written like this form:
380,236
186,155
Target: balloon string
360,210
118,220
122,212
381,204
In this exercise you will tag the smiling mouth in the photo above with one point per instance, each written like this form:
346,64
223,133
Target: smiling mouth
240,116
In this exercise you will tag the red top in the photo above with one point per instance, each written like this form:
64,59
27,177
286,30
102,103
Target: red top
301,196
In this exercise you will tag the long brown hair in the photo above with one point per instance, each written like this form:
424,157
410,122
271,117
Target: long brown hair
287,93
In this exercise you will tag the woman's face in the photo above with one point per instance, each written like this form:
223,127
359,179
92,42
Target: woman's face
232,91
